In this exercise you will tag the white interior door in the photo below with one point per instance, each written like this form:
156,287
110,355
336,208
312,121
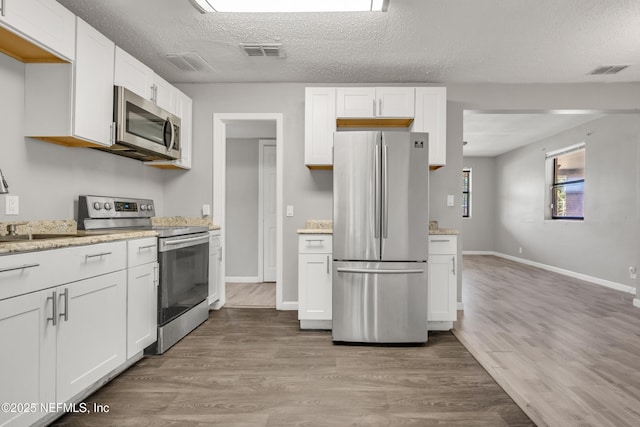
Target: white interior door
268,203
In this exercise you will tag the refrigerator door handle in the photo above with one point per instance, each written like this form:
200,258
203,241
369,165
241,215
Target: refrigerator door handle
380,271
376,185
385,192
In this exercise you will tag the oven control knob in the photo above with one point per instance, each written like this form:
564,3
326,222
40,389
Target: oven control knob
107,206
97,206
143,207
149,207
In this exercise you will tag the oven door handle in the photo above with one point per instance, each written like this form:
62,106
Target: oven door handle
203,239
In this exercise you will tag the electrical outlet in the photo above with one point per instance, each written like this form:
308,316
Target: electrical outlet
206,210
632,272
450,200
12,206
520,250
289,210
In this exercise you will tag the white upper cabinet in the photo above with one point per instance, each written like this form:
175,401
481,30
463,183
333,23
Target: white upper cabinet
47,26
374,102
431,117
133,74
319,126
164,95
72,104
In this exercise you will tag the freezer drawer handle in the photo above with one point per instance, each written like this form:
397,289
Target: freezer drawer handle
373,271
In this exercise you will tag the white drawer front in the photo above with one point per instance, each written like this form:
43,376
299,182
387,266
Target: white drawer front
315,243
82,262
442,244
27,272
33,271
142,251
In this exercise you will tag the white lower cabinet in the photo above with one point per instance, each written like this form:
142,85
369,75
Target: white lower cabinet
28,358
142,294
442,295
215,267
68,318
92,327
314,281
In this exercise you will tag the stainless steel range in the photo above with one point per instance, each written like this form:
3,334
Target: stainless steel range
183,256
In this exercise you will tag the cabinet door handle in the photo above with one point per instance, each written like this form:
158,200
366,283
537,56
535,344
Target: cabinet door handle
20,267
2,8
141,248
220,254
66,305
112,134
54,309
155,275
327,264
374,107
453,265
380,107
101,254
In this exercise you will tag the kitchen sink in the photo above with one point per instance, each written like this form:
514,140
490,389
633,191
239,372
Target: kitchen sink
27,237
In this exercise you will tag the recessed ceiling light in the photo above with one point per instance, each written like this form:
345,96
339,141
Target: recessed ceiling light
205,6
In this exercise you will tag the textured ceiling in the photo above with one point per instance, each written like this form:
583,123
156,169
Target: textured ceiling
489,135
434,41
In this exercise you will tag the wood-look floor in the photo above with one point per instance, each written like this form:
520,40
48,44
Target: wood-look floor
567,351
250,295
255,367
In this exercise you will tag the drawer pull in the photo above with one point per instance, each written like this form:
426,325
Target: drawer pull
21,267
101,254
141,248
54,309
440,241
315,240
66,305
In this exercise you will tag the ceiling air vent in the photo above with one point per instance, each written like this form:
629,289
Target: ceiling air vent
188,61
608,69
262,49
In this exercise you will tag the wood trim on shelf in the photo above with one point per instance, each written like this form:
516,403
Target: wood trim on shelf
320,167
67,141
434,167
23,50
396,122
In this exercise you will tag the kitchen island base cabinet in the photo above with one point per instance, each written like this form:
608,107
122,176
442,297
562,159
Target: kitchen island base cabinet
442,296
314,281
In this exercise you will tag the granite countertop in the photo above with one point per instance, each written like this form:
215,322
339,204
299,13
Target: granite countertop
317,226
71,236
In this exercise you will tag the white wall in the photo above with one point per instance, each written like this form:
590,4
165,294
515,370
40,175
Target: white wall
242,189
479,230
48,178
605,244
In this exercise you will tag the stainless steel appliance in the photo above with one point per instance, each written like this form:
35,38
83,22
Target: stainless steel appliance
143,131
380,236
183,257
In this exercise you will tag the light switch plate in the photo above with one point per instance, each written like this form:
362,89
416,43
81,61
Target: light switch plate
450,200
289,210
12,206
206,210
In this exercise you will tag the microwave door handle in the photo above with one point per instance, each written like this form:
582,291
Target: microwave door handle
173,134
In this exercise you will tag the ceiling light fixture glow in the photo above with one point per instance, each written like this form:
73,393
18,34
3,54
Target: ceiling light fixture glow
206,6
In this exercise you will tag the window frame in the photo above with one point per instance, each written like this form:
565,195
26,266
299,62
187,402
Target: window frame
551,159
468,192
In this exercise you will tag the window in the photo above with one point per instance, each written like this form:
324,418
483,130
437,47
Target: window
466,193
567,184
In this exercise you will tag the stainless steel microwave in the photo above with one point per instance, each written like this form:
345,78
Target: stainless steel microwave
143,130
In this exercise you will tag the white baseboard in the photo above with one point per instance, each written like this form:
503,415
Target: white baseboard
242,279
439,326
288,305
636,302
316,324
575,275
478,253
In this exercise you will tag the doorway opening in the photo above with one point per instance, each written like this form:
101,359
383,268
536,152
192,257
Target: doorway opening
248,205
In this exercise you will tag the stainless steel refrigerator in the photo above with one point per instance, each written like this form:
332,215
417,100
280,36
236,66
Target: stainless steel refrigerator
380,236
